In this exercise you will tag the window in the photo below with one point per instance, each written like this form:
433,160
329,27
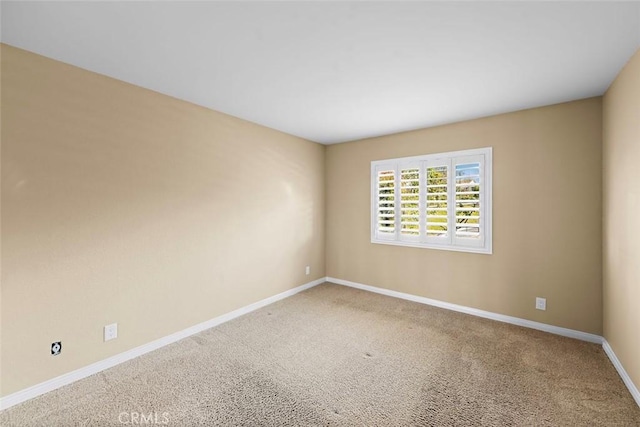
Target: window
438,201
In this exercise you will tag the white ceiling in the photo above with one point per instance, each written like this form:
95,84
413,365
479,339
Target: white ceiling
337,71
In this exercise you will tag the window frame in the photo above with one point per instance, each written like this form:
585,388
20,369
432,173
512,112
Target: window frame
451,242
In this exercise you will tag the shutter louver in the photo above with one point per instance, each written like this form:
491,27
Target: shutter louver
410,202
467,191
437,204
386,202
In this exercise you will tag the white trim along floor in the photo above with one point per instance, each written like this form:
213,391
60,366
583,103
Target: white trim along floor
62,380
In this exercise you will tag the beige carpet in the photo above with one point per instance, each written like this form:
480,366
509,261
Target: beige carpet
339,356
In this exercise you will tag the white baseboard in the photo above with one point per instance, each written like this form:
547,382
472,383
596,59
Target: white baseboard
68,378
62,380
623,374
584,336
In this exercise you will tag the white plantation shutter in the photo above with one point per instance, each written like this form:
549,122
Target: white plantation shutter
385,206
469,205
410,224
437,176
438,201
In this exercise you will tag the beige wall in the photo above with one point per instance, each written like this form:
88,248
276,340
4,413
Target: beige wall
546,217
621,234
123,205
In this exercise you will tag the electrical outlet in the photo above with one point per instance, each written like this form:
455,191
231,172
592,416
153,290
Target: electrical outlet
307,270
56,348
111,332
541,303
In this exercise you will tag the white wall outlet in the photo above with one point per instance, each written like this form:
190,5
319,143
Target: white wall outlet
541,303
111,332
307,270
